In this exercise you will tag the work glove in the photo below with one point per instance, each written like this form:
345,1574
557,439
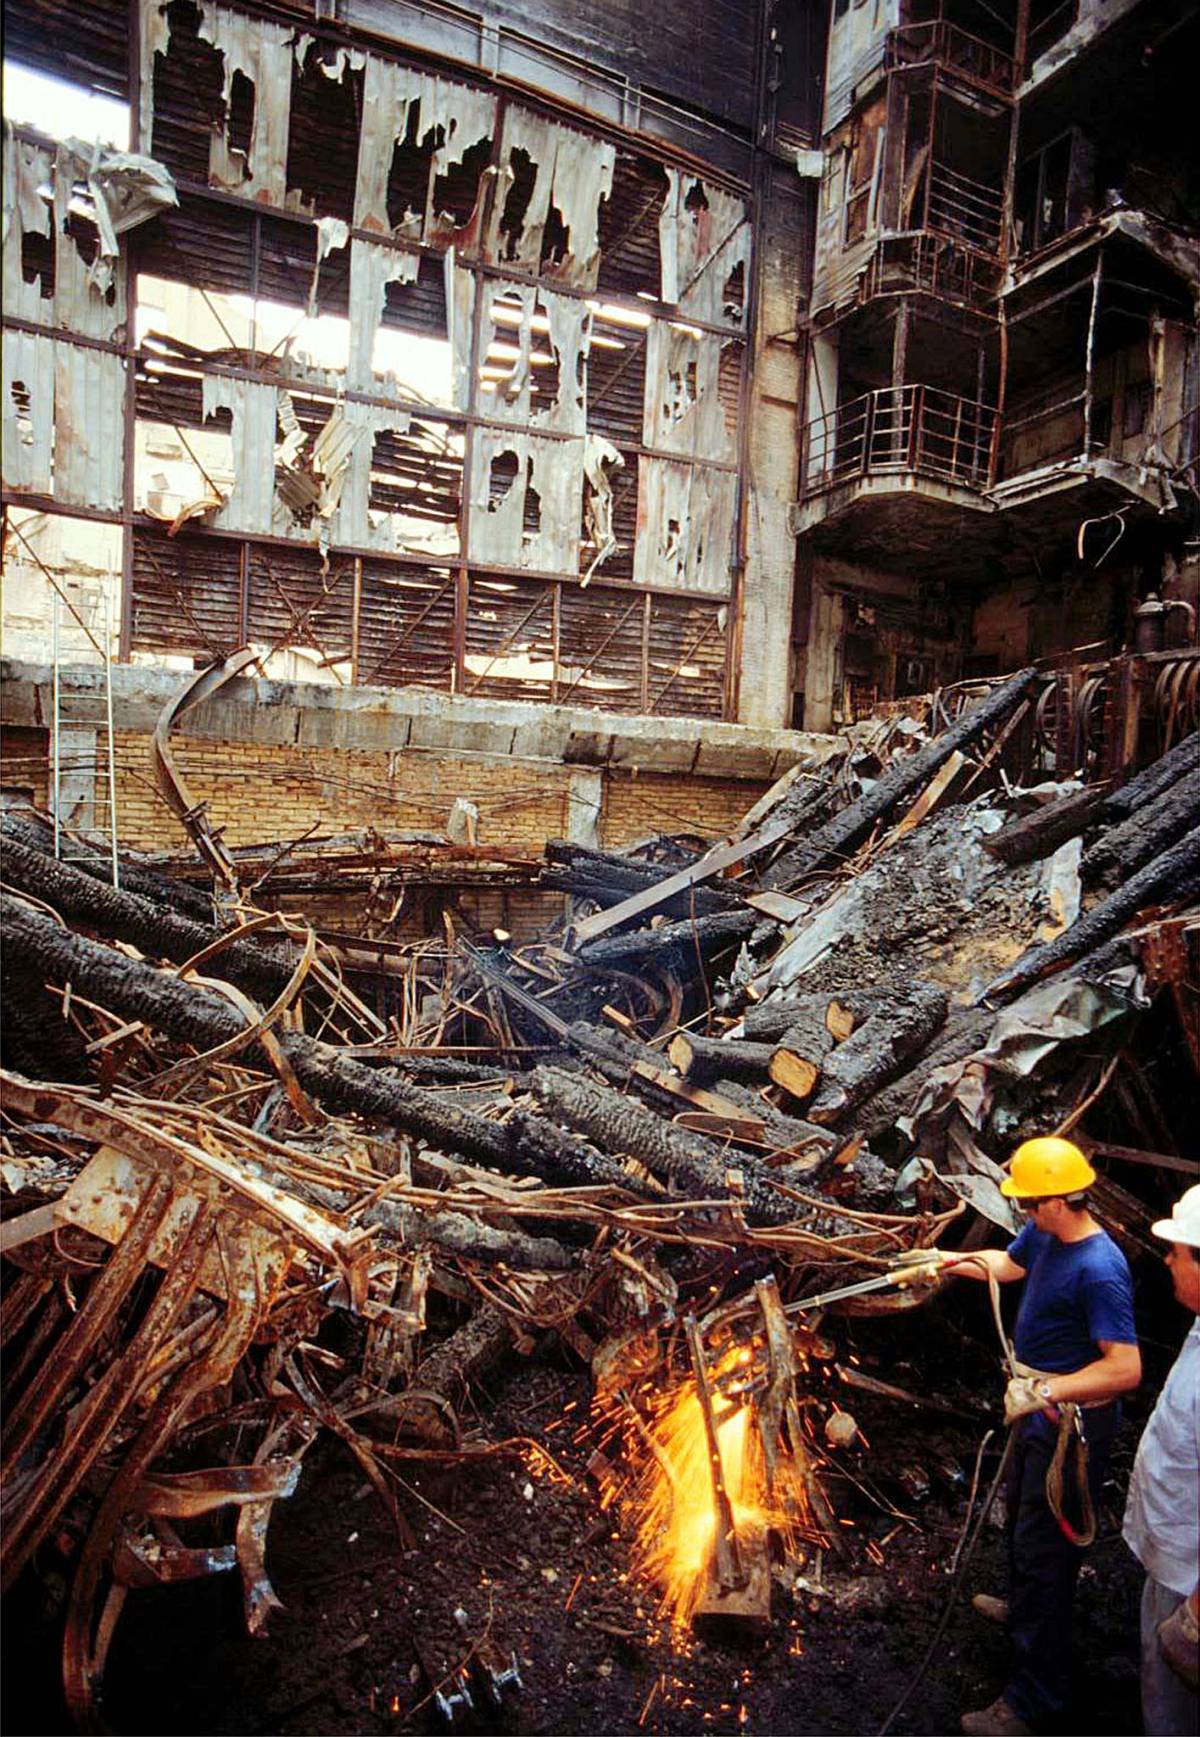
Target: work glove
1021,1398
1178,1637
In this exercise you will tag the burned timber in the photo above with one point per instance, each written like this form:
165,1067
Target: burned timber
651,1136
600,714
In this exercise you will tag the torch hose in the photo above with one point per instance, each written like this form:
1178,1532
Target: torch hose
951,1597
962,1556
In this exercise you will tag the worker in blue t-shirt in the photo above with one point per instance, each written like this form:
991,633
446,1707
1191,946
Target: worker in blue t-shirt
1075,1345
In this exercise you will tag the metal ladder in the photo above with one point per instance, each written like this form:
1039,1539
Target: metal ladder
71,766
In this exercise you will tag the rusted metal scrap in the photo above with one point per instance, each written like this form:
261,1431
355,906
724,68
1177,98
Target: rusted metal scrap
491,1141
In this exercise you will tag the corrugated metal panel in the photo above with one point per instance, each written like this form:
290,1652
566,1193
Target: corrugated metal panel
685,519
600,648
687,658
89,444
186,593
406,626
510,639
63,427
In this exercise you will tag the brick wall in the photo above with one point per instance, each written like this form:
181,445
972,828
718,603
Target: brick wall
259,792
636,805
25,762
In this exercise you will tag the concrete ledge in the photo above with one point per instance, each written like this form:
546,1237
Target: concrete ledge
384,720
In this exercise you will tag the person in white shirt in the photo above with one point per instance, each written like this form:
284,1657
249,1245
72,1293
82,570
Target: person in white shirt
1162,1513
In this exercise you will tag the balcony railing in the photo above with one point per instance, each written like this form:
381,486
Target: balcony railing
919,260
898,429
938,40
964,210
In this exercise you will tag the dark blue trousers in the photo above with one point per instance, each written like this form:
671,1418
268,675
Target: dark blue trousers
1043,1565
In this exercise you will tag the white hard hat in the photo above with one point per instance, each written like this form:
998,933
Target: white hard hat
1184,1222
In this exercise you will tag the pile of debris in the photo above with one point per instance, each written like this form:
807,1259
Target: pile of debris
727,1084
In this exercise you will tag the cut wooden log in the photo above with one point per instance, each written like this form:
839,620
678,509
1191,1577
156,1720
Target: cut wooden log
1123,849
709,934
1171,878
705,1059
1121,804
691,1164
1040,833
795,1072
876,1053
151,927
905,777
771,1021
189,1014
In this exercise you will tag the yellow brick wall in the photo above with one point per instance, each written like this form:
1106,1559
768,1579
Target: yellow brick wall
639,804
257,793
25,762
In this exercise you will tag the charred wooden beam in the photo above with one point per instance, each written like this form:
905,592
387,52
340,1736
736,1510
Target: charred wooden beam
876,1052
1171,878
467,1354
1122,804
708,934
152,928
136,877
1038,834
832,1011
689,1162
192,1015
834,841
965,1031
1124,849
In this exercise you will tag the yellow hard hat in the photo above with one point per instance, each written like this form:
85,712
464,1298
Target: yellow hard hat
1045,1167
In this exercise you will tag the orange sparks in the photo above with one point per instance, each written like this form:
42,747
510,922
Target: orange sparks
674,1500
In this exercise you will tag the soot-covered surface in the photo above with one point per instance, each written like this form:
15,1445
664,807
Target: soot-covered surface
524,1550
934,906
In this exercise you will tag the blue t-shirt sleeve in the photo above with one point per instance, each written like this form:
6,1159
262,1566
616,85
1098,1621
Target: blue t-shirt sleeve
1108,1305
1023,1248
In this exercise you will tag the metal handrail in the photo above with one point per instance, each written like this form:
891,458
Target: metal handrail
963,209
944,266
937,39
901,429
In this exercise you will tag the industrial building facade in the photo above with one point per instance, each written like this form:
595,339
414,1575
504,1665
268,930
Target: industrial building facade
748,364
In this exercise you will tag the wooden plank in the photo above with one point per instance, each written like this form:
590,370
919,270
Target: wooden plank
929,797
1134,1155
712,863
750,1127
782,906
